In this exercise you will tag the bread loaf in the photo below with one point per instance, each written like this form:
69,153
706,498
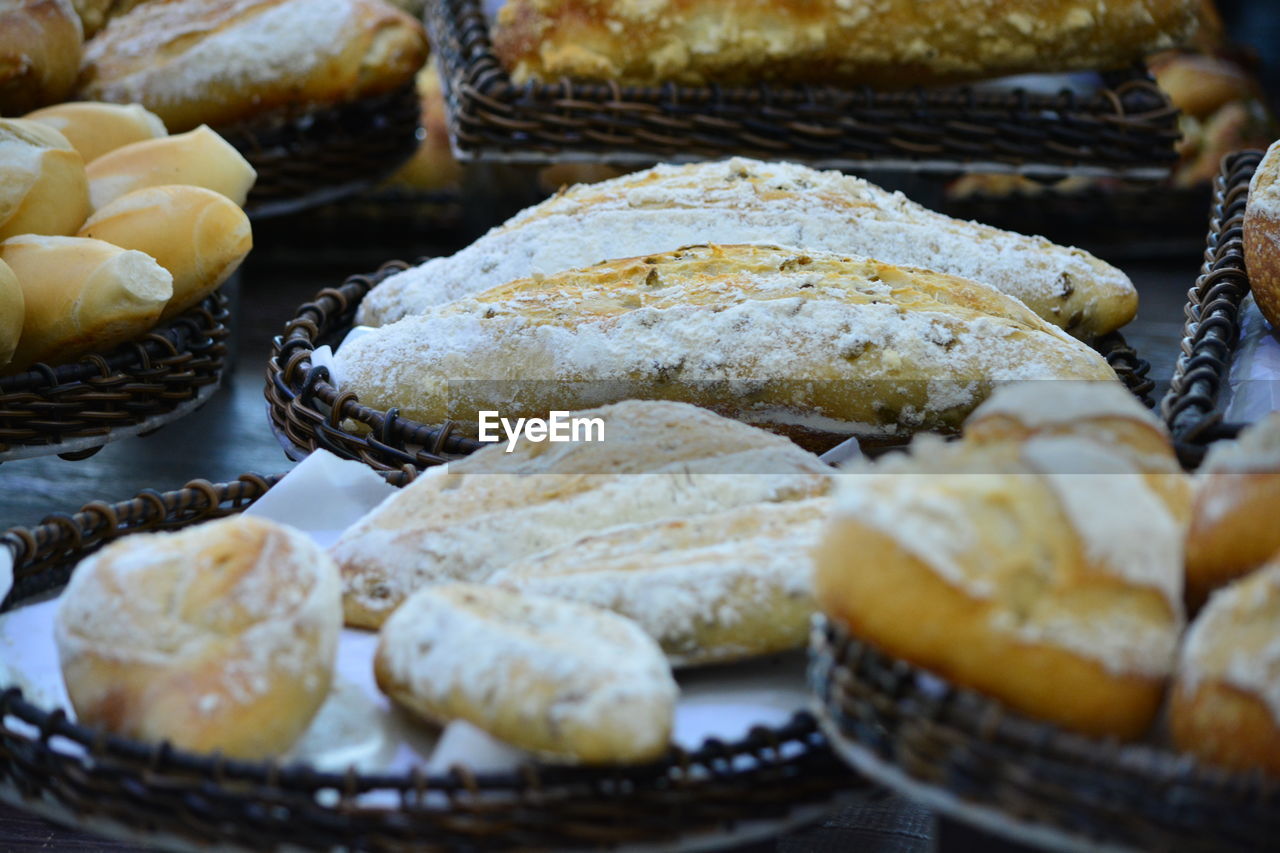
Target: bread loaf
94,129
12,310
40,45
898,43
42,181
747,201
218,637
81,295
199,158
213,62
198,235
812,345
1262,235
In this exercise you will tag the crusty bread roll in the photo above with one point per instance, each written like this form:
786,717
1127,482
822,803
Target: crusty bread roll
42,181
94,129
198,235
897,43
1233,524
564,680
81,295
218,637
1225,705
464,522
12,311
1200,85
709,588
812,345
747,201
199,158
1262,235
1041,573
212,62
40,46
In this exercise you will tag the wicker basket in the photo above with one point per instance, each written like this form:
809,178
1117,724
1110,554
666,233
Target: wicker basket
967,757
1129,127
154,792
74,409
1212,332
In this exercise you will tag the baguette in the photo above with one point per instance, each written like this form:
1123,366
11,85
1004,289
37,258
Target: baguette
12,310
40,46
95,129
199,158
1262,235
42,181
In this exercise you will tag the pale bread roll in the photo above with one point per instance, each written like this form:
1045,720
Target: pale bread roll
564,680
1262,235
12,311
40,46
218,637
198,157
93,129
42,181
198,235
82,295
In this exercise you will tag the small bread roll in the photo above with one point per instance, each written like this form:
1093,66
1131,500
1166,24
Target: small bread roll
1225,706
198,235
220,636
82,295
12,310
1262,235
94,129
198,157
564,680
42,181
40,47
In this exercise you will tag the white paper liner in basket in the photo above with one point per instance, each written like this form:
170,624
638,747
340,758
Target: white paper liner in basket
1253,387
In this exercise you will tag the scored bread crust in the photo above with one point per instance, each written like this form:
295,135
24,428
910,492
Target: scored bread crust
1262,235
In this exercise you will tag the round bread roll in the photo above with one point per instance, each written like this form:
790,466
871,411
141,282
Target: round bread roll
198,235
1225,706
42,181
12,310
1262,235
565,680
94,129
81,295
1233,524
198,157
40,46
221,636
1058,594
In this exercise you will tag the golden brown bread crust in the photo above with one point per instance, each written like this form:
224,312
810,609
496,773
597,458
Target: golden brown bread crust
43,183
12,310
1262,236
214,62
1227,726
40,45
889,43
1233,530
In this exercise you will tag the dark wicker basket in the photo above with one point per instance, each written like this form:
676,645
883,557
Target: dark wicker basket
969,758
156,792
1212,332
308,413
74,409
1129,127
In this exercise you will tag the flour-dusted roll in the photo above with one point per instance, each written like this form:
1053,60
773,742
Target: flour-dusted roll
42,181
94,129
1040,573
219,637
747,201
464,522
812,345
564,680
1262,235
12,311
199,158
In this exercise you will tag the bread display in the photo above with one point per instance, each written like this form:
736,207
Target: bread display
12,311
432,168
199,158
42,181
195,62
40,45
564,680
96,129
219,637
1262,235
1225,705
748,201
893,44
465,522
198,235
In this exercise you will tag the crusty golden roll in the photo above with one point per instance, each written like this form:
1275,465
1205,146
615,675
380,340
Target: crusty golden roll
12,311
198,235
81,295
1262,235
1225,705
217,637
199,157
1032,572
1200,85
212,62
42,181
565,680
40,46
1233,523
93,129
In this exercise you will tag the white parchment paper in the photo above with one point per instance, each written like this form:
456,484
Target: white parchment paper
1254,382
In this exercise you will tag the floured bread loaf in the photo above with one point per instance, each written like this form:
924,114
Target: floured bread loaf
812,345
474,517
747,201
709,589
1032,571
564,680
